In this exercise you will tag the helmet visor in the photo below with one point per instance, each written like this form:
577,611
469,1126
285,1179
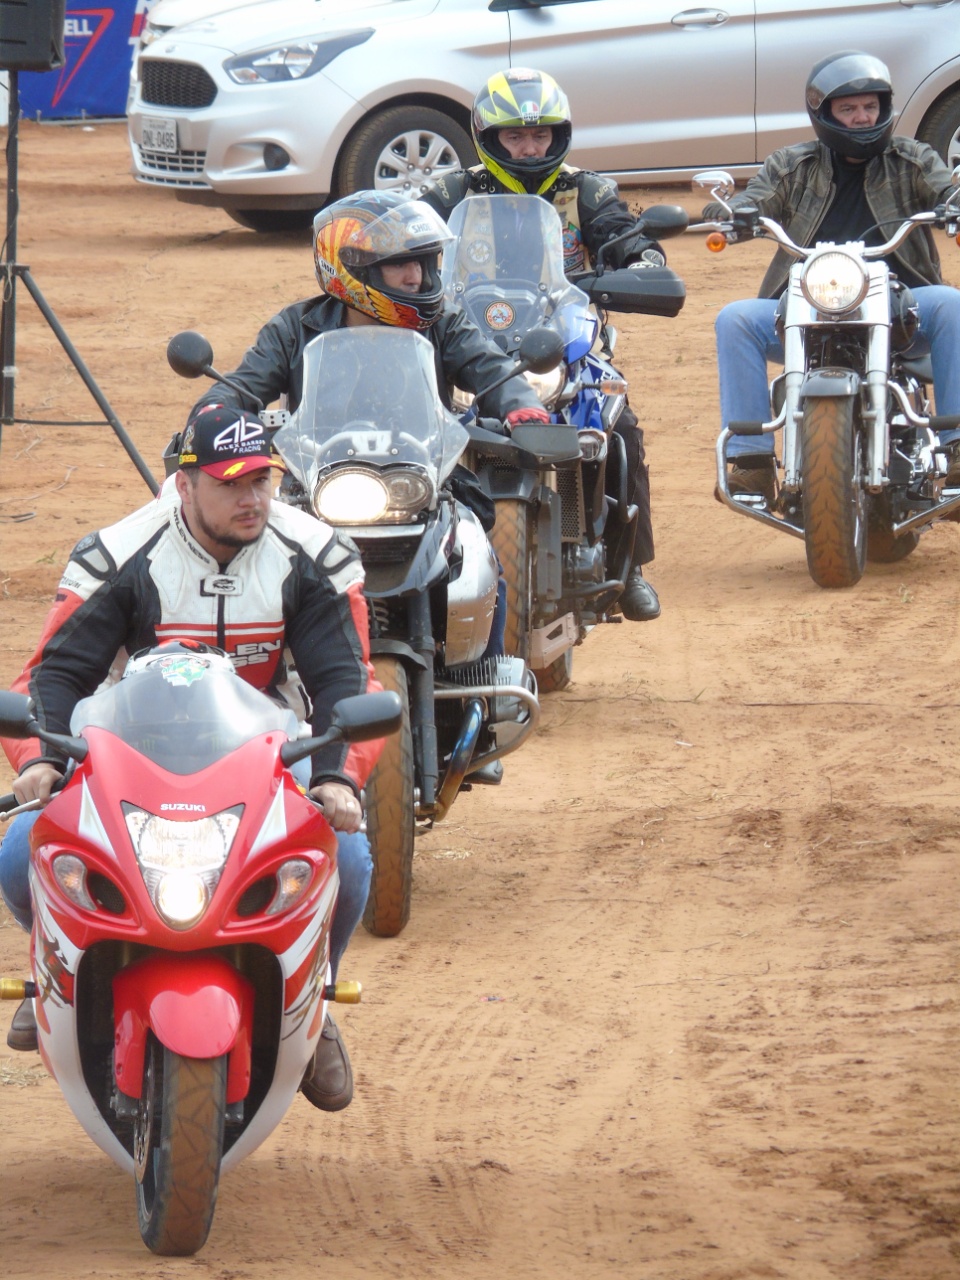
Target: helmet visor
407,230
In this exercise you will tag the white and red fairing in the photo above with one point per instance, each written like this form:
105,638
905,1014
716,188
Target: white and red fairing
183,987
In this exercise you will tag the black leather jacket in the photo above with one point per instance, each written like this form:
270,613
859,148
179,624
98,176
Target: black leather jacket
273,366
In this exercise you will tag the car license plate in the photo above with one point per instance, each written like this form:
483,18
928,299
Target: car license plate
158,135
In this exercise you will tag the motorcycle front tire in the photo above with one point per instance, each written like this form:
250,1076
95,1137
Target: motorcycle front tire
834,501
512,540
391,816
557,675
178,1146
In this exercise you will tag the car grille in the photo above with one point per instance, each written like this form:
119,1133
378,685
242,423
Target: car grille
176,84
159,167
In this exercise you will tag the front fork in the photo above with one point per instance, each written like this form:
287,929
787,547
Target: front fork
873,405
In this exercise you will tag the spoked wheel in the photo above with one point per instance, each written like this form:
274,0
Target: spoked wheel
834,502
512,539
178,1146
391,817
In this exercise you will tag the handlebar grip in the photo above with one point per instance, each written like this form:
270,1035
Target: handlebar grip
747,428
9,801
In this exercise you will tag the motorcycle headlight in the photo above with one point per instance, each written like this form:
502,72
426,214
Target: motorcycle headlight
357,496
181,862
547,385
292,61
834,281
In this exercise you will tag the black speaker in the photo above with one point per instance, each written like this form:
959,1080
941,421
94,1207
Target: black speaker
31,34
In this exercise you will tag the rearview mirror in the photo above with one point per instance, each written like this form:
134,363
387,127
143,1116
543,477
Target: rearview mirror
189,354
661,221
717,181
541,350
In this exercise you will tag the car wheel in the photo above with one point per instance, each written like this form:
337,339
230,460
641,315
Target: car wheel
403,149
274,221
941,129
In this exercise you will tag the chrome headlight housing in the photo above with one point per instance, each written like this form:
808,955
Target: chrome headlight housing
358,495
834,281
181,862
547,385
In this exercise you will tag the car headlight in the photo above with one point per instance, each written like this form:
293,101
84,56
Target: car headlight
294,61
834,281
547,385
181,862
356,495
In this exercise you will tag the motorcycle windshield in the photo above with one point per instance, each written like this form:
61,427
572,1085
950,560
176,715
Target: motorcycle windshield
182,714
506,270
370,396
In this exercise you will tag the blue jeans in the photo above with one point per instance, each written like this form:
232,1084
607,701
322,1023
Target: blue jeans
353,858
746,340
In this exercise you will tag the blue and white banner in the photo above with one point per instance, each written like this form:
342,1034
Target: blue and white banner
98,46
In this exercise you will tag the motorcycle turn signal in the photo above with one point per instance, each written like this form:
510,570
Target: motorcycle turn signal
17,989
343,992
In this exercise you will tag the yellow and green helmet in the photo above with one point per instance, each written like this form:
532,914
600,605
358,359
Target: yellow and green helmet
521,99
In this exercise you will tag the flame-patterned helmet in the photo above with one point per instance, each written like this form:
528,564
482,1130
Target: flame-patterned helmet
521,99
354,237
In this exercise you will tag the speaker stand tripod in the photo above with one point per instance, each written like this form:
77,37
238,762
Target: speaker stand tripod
10,272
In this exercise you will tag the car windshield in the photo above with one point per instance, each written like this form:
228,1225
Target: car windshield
370,396
182,713
506,271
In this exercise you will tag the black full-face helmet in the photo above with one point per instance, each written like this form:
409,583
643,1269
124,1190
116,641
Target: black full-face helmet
840,76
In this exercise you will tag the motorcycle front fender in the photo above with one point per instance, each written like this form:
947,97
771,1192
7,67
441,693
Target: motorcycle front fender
830,382
196,1006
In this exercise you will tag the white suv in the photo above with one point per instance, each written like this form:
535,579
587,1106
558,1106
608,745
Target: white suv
271,109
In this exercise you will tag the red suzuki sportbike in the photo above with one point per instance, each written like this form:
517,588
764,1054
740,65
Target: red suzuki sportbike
183,889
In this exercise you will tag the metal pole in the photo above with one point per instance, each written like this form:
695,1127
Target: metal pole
8,278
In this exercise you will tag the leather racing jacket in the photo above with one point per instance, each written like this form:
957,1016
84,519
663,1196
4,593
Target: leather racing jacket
795,187
288,609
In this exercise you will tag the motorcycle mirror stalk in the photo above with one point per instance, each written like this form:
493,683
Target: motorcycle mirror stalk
190,355
17,721
357,719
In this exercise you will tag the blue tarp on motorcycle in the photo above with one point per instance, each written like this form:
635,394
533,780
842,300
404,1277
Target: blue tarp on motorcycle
95,77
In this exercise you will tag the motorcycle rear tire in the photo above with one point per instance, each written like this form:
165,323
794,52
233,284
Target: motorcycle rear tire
512,539
882,546
178,1148
834,501
391,817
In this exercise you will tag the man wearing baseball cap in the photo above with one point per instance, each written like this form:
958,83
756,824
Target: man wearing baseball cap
213,559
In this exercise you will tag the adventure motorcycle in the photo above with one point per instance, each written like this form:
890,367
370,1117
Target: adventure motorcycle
862,469
565,527
371,450
183,888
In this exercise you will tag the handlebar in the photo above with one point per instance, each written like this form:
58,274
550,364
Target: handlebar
764,227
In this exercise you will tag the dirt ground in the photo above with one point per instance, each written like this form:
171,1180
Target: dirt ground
678,1000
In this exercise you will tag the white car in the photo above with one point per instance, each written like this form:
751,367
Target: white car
272,109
